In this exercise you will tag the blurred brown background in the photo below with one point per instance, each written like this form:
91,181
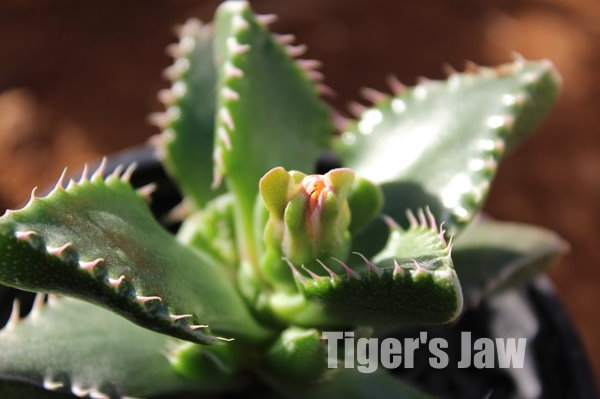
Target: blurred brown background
78,78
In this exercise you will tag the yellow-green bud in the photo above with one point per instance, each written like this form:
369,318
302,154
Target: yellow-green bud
309,217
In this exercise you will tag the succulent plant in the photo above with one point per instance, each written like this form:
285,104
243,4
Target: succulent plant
270,254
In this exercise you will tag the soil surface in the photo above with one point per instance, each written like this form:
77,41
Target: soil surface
78,79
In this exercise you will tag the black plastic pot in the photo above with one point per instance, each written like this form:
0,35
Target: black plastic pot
556,365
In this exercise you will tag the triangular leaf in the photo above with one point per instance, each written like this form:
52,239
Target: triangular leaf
186,142
98,241
268,111
71,346
411,281
439,144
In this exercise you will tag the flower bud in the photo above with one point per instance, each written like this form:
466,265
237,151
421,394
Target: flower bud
309,217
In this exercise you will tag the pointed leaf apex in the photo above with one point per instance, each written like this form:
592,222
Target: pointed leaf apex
51,385
33,196
60,183
84,173
314,276
99,173
518,57
285,39
38,304
15,315
471,67
372,95
326,91
266,19
356,108
58,251
176,317
411,218
25,235
431,218
147,191
143,299
197,326
91,264
370,265
398,270
351,273
334,277
296,51
395,85
390,222
239,23
117,171
115,283
448,69
128,172
297,275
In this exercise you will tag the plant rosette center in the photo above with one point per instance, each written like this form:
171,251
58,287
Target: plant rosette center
309,219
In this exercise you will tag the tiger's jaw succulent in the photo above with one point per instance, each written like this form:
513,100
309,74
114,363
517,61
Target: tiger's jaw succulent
270,253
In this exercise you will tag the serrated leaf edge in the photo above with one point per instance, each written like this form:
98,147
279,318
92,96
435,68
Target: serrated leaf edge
120,285
48,381
424,220
232,72
492,150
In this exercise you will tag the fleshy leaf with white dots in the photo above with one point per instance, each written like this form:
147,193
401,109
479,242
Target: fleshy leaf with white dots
269,112
438,144
185,144
411,281
97,240
69,347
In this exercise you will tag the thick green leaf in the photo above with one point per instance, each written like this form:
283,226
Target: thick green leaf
438,144
185,145
212,230
268,111
411,281
97,240
72,346
490,256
